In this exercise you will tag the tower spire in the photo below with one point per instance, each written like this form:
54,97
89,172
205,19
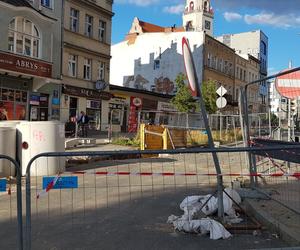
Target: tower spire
198,16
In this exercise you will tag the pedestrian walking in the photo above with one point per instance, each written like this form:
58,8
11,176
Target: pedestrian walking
83,124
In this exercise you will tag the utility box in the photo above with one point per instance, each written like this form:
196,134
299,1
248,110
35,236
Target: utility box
8,148
40,137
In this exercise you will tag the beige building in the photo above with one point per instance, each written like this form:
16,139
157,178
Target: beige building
219,66
247,70
227,68
86,60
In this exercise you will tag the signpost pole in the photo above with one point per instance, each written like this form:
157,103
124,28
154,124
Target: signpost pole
196,90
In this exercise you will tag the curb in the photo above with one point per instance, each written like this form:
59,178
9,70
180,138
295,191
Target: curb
287,234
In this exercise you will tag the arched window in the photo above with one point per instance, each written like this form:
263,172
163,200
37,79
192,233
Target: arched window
191,6
206,6
23,37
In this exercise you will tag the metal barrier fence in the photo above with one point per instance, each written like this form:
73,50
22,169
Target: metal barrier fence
123,188
11,206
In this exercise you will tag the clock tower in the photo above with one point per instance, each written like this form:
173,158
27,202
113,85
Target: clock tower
198,16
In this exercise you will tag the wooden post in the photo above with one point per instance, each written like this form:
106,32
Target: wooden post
142,136
165,139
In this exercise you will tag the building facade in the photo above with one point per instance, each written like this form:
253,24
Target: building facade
219,67
86,60
30,66
254,43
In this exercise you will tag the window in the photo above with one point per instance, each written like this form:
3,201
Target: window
23,37
87,69
226,67
47,3
191,6
264,47
72,65
101,71
244,75
220,65
156,64
207,25
209,60
102,31
88,25
74,20
237,72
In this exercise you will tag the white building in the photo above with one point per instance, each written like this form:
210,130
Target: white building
149,65
150,58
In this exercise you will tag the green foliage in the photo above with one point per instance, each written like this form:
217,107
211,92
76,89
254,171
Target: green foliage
183,101
124,141
209,96
274,120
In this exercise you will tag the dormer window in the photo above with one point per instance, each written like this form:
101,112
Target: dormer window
24,37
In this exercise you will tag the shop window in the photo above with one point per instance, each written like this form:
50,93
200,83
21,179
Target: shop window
88,25
72,65
74,20
101,71
87,69
102,31
23,37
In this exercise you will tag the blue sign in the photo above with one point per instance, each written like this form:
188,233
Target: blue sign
64,182
2,185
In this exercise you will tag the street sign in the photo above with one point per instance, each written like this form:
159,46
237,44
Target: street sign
221,102
221,91
2,185
190,67
64,182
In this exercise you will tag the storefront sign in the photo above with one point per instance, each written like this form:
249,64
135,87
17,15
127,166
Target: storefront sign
165,106
133,115
25,65
87,93
34,100
136,101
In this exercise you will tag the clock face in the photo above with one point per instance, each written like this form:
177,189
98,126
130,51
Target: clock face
207,25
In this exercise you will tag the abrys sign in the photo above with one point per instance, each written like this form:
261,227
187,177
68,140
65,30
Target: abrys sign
25,65
288,85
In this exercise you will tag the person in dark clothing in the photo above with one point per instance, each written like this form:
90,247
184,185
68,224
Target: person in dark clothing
83,124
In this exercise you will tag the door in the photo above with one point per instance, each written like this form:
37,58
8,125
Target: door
73,107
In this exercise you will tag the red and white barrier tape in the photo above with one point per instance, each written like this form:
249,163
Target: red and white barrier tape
123,173
49,187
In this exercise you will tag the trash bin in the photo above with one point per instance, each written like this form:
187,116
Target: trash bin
8,148
40,137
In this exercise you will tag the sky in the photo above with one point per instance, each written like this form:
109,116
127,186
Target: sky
278,19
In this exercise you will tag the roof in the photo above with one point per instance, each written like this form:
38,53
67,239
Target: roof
149,27
140,91
18,3
24,3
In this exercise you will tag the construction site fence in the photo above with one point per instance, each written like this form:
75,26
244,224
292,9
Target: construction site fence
75,202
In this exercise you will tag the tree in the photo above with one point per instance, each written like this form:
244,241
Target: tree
183,100
209,96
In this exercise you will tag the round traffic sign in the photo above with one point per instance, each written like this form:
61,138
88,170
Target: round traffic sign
221,102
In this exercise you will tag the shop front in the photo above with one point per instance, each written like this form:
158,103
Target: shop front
17,98
92,102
